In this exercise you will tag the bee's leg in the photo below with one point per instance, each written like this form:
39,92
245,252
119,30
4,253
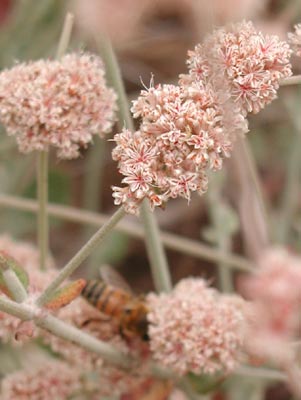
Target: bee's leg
92,320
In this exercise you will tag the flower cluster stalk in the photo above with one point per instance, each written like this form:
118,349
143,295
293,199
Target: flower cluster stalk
42,164
172,241
156,253
81,255
14,286
61,329
43,229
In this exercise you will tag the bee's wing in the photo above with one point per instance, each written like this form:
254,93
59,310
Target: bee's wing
110,276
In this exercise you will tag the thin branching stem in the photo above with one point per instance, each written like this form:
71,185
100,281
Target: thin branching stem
42,163
155,249
61,329
42,185
15,287
156,253
292,80
190,247
81,255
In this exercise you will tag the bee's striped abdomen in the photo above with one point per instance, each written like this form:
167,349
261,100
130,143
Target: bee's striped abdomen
93,291
105,298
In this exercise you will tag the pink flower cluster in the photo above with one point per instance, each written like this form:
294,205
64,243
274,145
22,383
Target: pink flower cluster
244,64
275,291
188,129
56,103
52,380
295,39
195,329
181,136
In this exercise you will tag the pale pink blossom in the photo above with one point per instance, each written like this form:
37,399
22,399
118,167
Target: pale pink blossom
242,63
27,256
275,292
184,132
60,104
52,380
195,329
294,39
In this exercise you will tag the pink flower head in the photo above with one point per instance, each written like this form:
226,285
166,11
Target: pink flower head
182,135
194,329
295,39
243,63
52,380
56,103
275,289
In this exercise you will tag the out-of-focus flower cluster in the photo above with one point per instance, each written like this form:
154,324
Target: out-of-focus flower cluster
275,292
188,129
56,103
195,329
28,257
94,376
243,63
52,380
295,39
111,380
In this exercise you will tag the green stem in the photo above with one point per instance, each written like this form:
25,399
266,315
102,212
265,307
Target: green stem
61,329
94,168
115,79
159,266
15,287
42,165
65,36
250,199
222,235
292,80
174,242
81,255
42,183
155,250
93,175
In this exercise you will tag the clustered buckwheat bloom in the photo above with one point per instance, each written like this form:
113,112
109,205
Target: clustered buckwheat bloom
52,380
294,39
182,135
243,63
195,329
56,103
275,291
187,129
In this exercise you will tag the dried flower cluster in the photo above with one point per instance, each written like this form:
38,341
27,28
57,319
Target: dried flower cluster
194,329
52,380
275,291
295,39
188,129
56,103
243,63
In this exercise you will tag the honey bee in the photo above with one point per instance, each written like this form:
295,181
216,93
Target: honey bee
113,297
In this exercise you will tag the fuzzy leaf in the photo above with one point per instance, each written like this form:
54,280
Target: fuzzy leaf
65,295
8,262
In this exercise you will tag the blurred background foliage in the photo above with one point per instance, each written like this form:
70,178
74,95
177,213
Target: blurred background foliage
154,41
